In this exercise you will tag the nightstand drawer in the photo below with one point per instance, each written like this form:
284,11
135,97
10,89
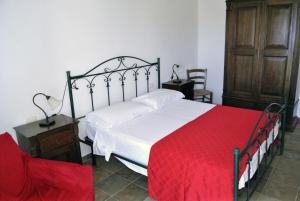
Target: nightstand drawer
63,153
55,140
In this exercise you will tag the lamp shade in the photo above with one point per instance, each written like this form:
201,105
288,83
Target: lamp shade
53,102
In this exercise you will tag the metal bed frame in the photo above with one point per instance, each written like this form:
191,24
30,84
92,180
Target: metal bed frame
273,113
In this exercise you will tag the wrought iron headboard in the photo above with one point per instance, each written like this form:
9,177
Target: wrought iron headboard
119,68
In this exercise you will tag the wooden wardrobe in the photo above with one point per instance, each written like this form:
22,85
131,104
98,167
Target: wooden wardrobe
262,54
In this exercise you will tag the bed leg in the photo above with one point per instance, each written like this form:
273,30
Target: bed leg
93,157
94,160
236,172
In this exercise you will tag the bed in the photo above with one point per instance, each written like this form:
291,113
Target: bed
135,141
134,138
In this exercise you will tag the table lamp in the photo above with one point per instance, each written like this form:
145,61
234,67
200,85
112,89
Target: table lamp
53,104
177,80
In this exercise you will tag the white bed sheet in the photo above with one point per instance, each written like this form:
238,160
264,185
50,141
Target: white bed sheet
134,139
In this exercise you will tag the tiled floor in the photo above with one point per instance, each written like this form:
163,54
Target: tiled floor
115,182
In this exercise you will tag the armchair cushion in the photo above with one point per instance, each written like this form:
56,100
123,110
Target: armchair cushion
13,170
61,180
24,178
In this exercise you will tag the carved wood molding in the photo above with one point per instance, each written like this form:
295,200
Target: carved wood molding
228,5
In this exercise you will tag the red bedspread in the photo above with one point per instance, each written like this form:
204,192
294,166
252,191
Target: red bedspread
195,162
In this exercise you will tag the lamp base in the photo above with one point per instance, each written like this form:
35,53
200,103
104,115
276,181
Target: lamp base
45,123
177,81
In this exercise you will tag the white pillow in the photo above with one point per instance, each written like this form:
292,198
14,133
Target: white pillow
159,98
116,114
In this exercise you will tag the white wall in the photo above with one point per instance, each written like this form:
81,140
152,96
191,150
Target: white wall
211,43
40,40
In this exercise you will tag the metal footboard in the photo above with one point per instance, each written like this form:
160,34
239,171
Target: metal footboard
274,115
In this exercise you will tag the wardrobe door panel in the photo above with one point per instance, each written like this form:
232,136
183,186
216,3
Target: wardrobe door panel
277,51
245,32
274,73
243,74
278,26
242,51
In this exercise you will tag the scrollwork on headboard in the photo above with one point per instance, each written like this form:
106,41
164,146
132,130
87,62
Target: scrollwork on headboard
117,65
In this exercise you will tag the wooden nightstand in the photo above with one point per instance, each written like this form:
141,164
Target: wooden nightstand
186,87
57,142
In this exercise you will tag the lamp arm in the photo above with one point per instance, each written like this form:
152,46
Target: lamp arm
172,76
176,75
174,72
39,106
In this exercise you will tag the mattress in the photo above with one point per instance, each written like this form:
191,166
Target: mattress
134,138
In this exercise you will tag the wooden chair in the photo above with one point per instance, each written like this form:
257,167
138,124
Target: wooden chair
199,77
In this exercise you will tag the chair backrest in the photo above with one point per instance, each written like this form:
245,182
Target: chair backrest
199,76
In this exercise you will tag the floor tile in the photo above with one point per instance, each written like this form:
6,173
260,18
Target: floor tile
142,182
128,174
290,154
149,199
100,195
99,175
292,143
112,166
289,133
280,191
261,185
289,165
285,177
112,199
243,196
275,161
112,184
268,173
132,193
292,138
297,130
255,196
262,197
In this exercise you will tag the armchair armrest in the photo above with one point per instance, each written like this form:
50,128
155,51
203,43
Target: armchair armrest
67,176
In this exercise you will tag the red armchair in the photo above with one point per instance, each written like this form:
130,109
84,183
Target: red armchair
23,178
